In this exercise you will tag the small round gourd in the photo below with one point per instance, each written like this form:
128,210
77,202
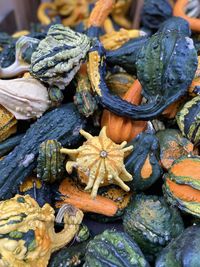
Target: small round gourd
112,248
152,223
50,165
182,185
188,120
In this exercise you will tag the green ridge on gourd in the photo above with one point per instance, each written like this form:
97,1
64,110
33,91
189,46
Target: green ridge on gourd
112,248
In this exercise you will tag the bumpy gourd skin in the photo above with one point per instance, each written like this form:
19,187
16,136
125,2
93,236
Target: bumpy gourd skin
182,251
112,248
59,56
143,162
27,235
152,223
166,66
62,124
188,120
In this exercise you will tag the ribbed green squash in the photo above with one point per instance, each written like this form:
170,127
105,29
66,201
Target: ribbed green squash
114,249
72,256
143,162
182,185
152,223
62,124
188,120
50,165
182,251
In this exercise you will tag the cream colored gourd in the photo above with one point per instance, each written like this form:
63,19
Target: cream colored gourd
25,98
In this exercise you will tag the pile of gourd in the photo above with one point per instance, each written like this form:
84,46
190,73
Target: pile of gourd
101,123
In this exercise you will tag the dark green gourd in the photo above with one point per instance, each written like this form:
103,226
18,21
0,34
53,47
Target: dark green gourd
152,223
62,124
182,251
143,162
72,256
50,165
10,143
126,55
114,249
166,65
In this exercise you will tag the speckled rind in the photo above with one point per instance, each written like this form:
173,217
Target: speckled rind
152,223
112,248
182,251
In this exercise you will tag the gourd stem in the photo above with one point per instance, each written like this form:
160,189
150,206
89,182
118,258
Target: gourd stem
13,70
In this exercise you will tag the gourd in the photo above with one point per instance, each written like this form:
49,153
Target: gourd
167,60
172,146
23,48
154,13
152,223
50,162
69,256
8,145
58,56
8,123
25,98
113,248
121,129
71,193
188,120
27,235
182,186
143,161
182,251
62,124
99,162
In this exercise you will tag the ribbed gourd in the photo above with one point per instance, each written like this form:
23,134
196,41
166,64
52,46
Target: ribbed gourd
62,124
182,251
182,185
50,162
188,120
112,248
152,223
143,161
8,123
58,57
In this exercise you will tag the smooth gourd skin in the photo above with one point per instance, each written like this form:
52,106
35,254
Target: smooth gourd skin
114,249
62,124
143,162
182,251
152,223
166,65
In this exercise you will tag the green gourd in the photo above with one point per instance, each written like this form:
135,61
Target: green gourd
152,223
50,161
62,124
113,248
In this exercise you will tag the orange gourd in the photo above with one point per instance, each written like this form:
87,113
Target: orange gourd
121,129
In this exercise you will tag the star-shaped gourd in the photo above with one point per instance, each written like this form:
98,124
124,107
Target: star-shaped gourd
99,161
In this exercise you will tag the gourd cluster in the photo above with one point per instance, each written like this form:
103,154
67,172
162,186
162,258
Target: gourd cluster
100,136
